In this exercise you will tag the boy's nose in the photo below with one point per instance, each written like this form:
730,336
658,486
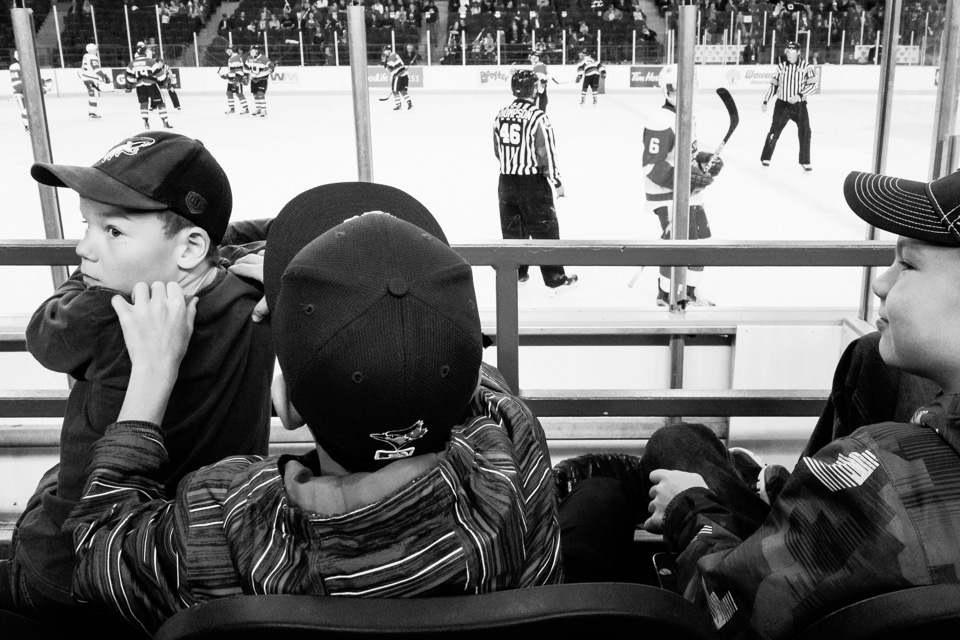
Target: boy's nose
85,248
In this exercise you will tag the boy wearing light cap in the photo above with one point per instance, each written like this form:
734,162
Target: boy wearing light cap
428,476
156,206
867,514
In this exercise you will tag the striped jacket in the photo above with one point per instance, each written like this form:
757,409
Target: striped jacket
871,513
524,143
798,79
484,519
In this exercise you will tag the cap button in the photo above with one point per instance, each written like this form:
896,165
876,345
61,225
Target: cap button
398,287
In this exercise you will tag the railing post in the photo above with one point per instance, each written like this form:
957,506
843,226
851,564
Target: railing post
93,22
303,62
56,24
159,30
126,19
361,95
196,50
881,137
508,325
23,35
948,90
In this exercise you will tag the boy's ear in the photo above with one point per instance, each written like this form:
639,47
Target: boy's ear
196,244
281,402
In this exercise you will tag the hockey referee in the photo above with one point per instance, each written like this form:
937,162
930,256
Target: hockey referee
793,82
524,144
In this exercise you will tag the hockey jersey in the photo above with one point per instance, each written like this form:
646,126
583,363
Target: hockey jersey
659,155
589,67
144,71
259,67
15,79
236,71
90,70
541,70
395,66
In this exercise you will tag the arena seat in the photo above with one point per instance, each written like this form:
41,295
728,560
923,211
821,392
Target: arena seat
931,613
16,627
563,610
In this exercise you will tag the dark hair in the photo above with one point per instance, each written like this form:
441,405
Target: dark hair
174,223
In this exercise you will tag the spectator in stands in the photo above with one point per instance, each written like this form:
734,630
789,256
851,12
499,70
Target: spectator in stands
171,220
427,479
410,55
750,52
866,514
431,19
225,26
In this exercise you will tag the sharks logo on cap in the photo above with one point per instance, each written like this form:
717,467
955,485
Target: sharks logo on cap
398,439
128,147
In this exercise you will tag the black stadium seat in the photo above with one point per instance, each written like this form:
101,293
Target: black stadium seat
927,613
576,610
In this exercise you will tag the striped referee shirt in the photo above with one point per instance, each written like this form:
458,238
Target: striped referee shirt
524,143
790,80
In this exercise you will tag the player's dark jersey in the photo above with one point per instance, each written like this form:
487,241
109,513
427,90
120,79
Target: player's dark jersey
524,142
259,67
236,71
144,71
589,67
15,78
797,79
395,66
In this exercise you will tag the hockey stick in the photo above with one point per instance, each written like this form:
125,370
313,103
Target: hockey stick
734,121
633,280
386,97
564,82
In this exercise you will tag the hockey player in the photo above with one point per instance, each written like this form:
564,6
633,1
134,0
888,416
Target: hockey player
589,71
17,84
539,68
259,68
398,77
92,75
792,83
236,76
168,85
146,74
659,161
524,144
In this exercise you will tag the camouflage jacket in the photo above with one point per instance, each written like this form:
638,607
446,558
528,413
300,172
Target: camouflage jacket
871,513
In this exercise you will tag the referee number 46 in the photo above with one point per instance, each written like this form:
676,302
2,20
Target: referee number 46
510,133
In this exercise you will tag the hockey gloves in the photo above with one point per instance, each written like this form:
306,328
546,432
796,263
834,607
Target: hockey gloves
698,179
703,159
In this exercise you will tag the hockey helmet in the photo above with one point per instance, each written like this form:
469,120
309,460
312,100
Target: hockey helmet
141,48
524,83
254,50
793,45
228,51
91,48
667,80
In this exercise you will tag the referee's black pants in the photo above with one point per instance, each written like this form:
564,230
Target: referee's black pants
527,211
783,112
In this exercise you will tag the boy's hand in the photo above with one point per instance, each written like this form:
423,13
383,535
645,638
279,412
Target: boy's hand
251,266
667,484
158,325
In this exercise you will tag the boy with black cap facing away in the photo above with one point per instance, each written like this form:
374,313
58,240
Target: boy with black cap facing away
156,205
428,476
867,514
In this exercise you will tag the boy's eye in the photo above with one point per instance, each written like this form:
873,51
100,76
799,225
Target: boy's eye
114,232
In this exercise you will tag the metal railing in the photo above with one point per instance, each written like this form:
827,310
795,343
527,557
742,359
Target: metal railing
504,258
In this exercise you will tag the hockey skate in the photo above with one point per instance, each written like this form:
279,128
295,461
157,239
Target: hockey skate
566,283
263,113
409,105
523,277
146,124
663,298
93,116
229,111
594,100
397,108
765,163
806,167
245,112
693,300
167,125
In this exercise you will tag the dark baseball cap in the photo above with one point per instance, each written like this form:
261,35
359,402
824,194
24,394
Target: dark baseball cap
793,45
375,322
153,171
928,211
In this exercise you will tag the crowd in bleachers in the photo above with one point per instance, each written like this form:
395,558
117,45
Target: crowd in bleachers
40,10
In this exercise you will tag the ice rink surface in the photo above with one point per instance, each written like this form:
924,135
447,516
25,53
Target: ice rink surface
441,153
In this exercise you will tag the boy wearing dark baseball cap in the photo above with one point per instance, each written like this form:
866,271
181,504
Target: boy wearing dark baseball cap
867,514
428,476
156,206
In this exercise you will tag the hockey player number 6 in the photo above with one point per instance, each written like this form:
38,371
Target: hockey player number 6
654,146
510,133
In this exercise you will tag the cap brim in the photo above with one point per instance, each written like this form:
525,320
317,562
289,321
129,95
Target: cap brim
318,210
94,184
896,205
